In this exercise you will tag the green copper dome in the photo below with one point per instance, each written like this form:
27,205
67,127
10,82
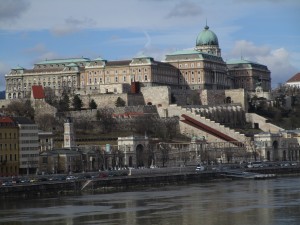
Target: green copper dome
207,37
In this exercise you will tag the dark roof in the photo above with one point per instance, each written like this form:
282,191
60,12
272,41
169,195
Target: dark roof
118,63
295,78
23,120
38,92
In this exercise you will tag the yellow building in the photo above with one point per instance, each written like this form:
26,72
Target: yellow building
9,147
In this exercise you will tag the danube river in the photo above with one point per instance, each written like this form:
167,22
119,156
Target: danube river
241,202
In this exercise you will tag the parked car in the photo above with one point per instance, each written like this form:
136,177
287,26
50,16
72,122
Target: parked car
256,164
200,168
71,178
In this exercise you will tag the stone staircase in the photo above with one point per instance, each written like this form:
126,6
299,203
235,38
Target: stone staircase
192,123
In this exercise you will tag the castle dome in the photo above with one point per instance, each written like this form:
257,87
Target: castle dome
207,37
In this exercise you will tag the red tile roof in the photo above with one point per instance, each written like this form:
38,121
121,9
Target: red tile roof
295,78
38,92
5,119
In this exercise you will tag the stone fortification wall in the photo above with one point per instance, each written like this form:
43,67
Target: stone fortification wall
108,100
217,97
146,109
237,96
39,105
186,97
42,107
212,97
260,122
160,95
174,110
4,103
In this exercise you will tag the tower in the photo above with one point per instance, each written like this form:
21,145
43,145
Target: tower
69,137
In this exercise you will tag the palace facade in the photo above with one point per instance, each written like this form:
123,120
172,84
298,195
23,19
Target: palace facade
197,69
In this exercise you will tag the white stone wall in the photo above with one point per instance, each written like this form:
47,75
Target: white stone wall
262,123
159,95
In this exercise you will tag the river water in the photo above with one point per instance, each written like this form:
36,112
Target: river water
242,202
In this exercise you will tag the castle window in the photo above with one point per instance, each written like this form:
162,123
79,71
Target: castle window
116,79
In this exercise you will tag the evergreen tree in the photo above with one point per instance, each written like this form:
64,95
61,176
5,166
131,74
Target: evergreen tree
77,103
120,102
63,104
93,104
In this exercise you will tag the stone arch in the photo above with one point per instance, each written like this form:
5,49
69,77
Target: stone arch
139,155
149,103
268,156
284,155
275,150
130,161
228,100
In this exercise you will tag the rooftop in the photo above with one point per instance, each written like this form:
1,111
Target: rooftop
295,78
67,61
38,92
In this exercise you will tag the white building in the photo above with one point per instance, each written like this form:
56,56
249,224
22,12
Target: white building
281,146
294,81
28,145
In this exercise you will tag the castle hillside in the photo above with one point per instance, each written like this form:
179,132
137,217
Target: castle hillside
197,87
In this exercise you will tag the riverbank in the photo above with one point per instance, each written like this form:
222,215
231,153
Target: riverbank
125,183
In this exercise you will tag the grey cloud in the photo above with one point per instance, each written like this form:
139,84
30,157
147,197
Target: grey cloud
12,9
185,9
82,22
72,25
4,69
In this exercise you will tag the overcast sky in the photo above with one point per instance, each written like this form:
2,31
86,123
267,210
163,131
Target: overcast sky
263,31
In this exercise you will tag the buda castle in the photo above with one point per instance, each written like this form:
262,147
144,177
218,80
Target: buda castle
202,68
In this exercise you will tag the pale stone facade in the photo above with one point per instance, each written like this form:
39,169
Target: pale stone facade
249,75
282,146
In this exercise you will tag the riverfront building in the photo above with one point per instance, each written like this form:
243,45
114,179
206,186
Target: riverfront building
200,69
28,145
281,146
9,147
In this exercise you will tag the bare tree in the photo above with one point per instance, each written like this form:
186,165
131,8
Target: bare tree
84,123
164,150
105,117
20,108
46,121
